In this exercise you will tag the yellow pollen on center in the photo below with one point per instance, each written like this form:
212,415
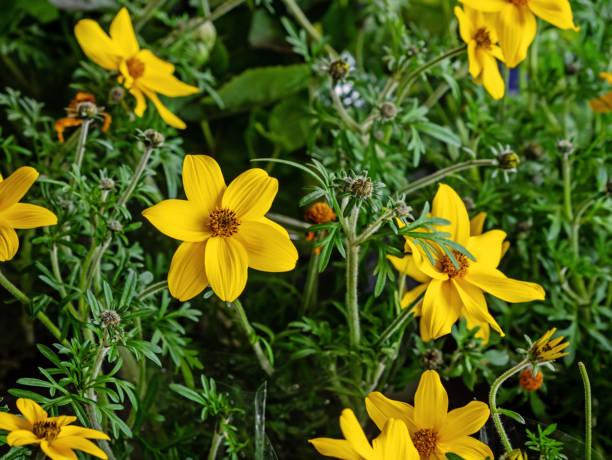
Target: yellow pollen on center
135,67
45,430
223,222
483,38
425,442
447,266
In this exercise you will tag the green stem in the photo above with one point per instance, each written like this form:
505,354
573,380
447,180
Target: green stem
587,410
142,164
148,12
346,118
80,150
352,277
288,221
216,443
152,290
301,18
442,173
398,323
567,187
372,228
492,404
310,287
264,362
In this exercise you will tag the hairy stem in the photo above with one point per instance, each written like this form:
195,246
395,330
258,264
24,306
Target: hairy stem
587,410
152,290
80,150
346,118
142,164
352,277
310,288
288,221
264,362
216,442
398,323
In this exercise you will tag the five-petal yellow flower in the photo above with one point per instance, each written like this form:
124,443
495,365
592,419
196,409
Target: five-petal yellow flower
56,437
450,292
224,230
141,71
393,443
434,431
477,31
516,22
15,215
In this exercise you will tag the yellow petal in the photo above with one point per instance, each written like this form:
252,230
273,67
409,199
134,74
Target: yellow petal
477,223
490,6
78,443
187,275
337,448
495,282
269,250
251,194
430,402
122,33
408,266
23,215
467,448
226,267
127,79
448,205
166,115
31,411
466,27
412,295
602,104
73,430
15,186
98,46
353,433
517,29
203,181
380,409
9,243
394,443
487,248
179,219
464,421
278,227
141,103
153,64
168,85
475,68
423,263
62,420
474,304
21,438
558,12
491,78
10,422
441,308
57,452
484,331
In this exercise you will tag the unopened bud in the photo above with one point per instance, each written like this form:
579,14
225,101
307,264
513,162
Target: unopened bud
115,225
152,138
110,318
339,69
360,186
106,183
533,150
388,110
431,359
565,147
508,161
116,94
87,110
401,209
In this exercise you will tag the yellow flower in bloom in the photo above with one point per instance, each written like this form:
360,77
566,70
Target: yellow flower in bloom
224,230
545,350
603,104
56,437
450,292
393,443
141,71
516,22
435,431
15,215
478,32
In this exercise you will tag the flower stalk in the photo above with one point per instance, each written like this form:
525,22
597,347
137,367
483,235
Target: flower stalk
352,276
80,149
264,362
587,410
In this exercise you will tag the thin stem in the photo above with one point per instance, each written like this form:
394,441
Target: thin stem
372,228
442,173
264,362
152,290
346,118
288,221
398,323
58,276
352,278
492,404
142,164
587,410
310,287
80,150
567,187
14,290
216,442
148,12
301,18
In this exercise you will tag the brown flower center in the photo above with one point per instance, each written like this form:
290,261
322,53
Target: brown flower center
223,222
135,67
518,2
447,266
483,38
46,430
425,442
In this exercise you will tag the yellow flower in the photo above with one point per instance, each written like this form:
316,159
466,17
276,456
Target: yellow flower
452,293
545,350
393,443
15,215
56,437
141,71
516,454
603,104
434,431
224,230
516,22
477,32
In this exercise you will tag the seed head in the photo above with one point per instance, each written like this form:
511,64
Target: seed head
86,110
360,186
530,381
110,318
339,69
565,147
115,225
508,161
152,138
431,359
116,94
106,183
388,110
320,213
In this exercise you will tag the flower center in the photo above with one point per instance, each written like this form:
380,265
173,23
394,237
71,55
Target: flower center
447,266
46,430
518,2
483,38
135,67
223,222
425,442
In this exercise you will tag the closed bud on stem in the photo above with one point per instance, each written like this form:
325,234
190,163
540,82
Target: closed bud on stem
388,110
115,225
508,161
431,359
565,147
116,94
87,110
339,69
106,183
401,210
152,138
110,318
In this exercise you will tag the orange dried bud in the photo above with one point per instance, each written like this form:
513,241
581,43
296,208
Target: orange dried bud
320,213
529,382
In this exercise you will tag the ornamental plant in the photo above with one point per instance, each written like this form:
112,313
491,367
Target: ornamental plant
284,229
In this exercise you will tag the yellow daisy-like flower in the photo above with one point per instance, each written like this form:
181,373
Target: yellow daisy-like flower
450,292
141,71
516,22
435,431
224,230
56,437
15,215
544,349
603,104
478,32
393,443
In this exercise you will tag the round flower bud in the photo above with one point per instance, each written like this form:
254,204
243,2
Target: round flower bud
565,147
530,383
401,209
360,187
339,69
533,150
116,94
86,109
110,318
388,110
508,161
152,138
115,225
106,183
431,359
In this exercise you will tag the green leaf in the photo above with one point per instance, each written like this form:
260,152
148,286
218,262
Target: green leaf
439,132
454,457
513,415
